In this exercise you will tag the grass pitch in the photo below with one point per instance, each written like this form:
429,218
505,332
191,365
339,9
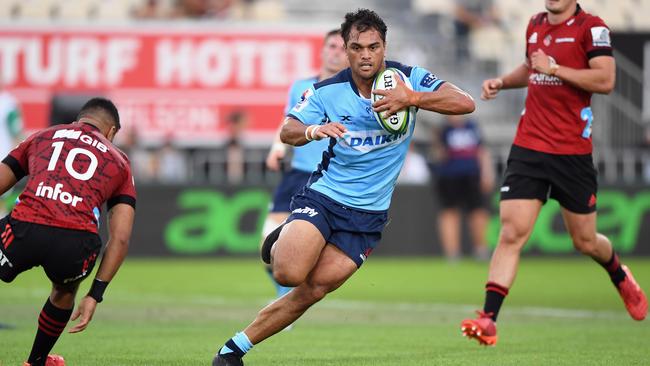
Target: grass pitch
392,312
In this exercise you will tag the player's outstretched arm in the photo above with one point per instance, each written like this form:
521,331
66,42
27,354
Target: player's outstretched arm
449,99
517,78
297,133
120,223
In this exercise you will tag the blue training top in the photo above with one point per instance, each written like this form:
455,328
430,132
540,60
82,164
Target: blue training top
306,157
359,170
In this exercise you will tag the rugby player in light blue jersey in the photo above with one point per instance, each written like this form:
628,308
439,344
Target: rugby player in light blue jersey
338,218
305,158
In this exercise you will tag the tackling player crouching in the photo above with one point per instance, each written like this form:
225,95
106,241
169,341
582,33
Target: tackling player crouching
72,170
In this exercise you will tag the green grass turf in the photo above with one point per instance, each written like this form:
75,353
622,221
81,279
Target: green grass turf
392,312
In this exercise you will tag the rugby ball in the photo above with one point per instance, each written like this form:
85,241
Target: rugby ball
385,80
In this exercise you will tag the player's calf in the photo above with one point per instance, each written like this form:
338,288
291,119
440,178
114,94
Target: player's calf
51,323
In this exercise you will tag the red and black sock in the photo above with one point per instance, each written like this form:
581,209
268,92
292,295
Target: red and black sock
51,323
494,296
613,267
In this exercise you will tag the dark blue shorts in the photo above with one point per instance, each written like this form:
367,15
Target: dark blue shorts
355,232
292,183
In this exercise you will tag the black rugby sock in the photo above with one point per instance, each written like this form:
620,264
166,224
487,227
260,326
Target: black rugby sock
51,323
613,267
494,296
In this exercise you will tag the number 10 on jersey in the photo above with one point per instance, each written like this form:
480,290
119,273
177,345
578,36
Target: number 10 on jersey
69,161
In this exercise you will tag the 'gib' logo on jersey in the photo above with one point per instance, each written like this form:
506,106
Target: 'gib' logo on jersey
76,135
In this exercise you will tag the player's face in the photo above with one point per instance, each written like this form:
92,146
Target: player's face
333,56
558,6
365,51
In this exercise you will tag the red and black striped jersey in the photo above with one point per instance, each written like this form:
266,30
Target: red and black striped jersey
73,169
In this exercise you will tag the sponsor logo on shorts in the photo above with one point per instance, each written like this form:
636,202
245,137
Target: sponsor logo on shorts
592,200
58,194
505,189
365,254
73,279
305,210
4,260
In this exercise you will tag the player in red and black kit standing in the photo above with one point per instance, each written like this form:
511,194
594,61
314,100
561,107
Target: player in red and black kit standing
568,57
73,169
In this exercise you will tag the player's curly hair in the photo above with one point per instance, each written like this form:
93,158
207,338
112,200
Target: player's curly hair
362,20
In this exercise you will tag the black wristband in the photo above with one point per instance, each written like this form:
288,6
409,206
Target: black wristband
97,290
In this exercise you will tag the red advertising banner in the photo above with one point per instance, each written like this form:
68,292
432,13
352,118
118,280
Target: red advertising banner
180,83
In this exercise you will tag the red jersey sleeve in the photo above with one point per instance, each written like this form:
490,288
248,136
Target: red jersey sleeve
18,158
596,40
125,192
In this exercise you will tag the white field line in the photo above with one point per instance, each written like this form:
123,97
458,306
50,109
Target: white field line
470,309
357,305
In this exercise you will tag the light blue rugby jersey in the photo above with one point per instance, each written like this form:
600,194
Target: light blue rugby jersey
359,170
306,157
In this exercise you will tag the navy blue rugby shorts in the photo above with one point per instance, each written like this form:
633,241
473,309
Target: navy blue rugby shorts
355,232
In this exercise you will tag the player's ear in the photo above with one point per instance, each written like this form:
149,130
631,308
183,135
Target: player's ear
111,133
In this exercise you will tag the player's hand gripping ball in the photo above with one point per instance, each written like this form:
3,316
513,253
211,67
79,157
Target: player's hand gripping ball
385,80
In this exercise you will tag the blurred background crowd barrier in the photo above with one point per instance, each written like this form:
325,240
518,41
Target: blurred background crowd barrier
201,85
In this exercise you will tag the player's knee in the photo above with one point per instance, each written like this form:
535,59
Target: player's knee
585,243
288,277
64,291
512,235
